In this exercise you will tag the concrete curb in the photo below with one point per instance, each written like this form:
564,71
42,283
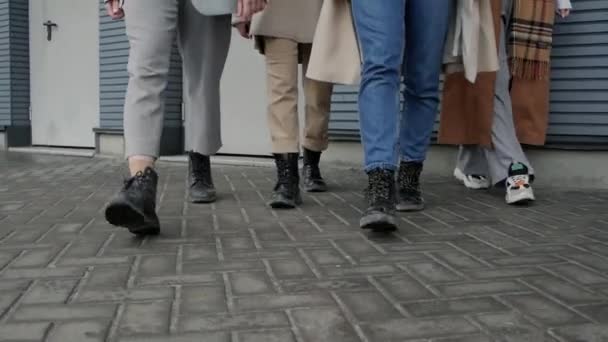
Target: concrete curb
573,169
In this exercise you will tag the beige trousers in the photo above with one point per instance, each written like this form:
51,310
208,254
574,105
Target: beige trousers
282,59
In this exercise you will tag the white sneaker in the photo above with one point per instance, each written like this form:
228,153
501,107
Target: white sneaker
472,182
519,190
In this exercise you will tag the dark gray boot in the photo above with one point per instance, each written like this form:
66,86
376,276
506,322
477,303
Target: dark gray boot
286,193
408,182
380,194
199,176
134,207
312,180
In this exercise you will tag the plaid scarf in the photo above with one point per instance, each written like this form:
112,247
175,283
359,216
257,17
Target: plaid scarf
531,38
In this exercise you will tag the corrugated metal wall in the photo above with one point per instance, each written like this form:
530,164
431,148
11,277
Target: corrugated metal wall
20,62
5,69
579,89
14,63
113,78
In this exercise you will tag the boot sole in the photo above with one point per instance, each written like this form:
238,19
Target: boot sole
286,204
315,188
380,223
282,205
203,200
522,198
521,202
410,207
124,215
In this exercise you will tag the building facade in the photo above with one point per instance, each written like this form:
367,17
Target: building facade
63,79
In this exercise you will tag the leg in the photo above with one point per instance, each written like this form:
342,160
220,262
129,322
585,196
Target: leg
422,68
507,148
203,43
380,29
472,160
318,106
282,87
472,167
507,161
151,27
316,140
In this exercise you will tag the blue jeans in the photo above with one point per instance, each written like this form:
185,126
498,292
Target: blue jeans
395,37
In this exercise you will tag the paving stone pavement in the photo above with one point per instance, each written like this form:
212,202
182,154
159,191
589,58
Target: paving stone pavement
468,269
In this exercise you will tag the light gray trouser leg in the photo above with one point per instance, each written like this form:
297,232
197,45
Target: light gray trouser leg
204,43
507,148
472,160
152,26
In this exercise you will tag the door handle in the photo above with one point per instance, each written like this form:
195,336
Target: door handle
49,29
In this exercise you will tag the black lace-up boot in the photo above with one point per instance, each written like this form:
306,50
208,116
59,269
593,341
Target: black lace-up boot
313,182
380,194
286,193
134,207
408,181
201,182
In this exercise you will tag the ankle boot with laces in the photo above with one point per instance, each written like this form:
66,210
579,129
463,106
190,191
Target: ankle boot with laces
134,207
408,181
311,174
380,194
286,194
202,189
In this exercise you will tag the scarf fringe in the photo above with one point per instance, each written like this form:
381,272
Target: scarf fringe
529,69
530,39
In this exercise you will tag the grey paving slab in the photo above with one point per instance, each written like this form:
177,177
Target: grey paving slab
467,269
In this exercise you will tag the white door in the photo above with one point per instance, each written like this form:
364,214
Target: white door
244,123
64,72
244,127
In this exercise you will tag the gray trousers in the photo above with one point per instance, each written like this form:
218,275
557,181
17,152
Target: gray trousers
494,163
152,27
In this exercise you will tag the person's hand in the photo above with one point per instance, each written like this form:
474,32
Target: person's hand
563,12
114,10
243,28
247,8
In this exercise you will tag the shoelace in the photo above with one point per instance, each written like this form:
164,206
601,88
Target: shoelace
200,173
283,172
518,181
138,178
312,172
410,179
379,188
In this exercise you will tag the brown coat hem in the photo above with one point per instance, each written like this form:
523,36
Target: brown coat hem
467,110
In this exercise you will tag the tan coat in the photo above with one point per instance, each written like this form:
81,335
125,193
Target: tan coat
290,19
335,54
467,109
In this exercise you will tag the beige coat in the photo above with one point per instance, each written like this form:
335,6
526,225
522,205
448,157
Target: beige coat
335,54
471,44
291,19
